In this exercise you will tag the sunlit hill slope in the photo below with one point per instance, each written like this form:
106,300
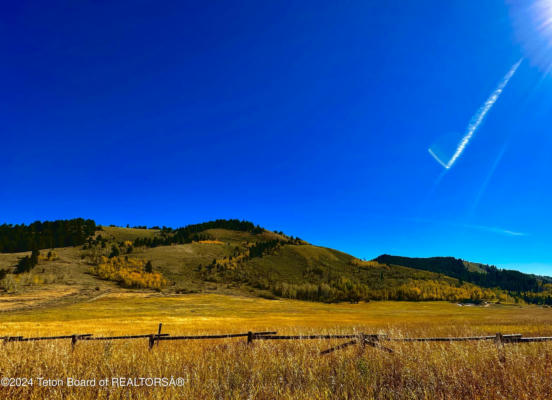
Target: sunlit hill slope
76,260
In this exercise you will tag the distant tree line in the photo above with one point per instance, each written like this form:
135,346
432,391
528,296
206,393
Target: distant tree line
192,233
351,290
44,235
261,248
543,298
512,281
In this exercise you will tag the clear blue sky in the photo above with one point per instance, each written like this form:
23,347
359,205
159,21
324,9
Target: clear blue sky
311,117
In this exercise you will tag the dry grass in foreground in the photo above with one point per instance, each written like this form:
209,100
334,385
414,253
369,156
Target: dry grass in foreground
229,369
292,370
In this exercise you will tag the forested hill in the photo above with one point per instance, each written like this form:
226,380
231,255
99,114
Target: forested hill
484,275
235,256
44,235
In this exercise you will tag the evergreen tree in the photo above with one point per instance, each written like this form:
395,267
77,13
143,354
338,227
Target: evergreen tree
3,273
114,251
25,264
34,257
149,267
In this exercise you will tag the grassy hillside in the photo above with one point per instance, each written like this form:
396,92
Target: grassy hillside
119,234
482,275
238,257
293,269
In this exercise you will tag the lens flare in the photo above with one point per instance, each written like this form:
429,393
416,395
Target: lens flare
544,17
532,21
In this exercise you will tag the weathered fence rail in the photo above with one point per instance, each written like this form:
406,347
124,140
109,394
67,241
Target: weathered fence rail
303,337
152,338
504,338
124,337
535,339
375,340
224,336
362,339
34,339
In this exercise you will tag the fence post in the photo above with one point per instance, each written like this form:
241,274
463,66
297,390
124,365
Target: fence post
151,341
499,341
74,339
159,332
249,337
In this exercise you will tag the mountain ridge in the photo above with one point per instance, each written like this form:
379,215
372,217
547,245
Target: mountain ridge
233,256
480,274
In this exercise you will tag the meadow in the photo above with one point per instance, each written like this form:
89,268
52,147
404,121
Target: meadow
231,369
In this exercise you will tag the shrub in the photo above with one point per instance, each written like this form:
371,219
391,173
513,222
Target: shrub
129,272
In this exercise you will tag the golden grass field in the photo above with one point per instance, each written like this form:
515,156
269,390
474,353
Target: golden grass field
229,369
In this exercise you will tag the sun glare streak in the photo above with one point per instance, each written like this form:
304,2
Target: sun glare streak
487,179
544,16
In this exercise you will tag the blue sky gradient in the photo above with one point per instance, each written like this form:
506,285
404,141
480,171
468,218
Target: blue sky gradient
310,117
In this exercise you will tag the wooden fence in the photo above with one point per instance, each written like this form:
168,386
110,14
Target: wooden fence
361,339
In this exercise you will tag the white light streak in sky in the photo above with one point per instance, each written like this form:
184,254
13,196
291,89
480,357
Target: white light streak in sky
477,119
